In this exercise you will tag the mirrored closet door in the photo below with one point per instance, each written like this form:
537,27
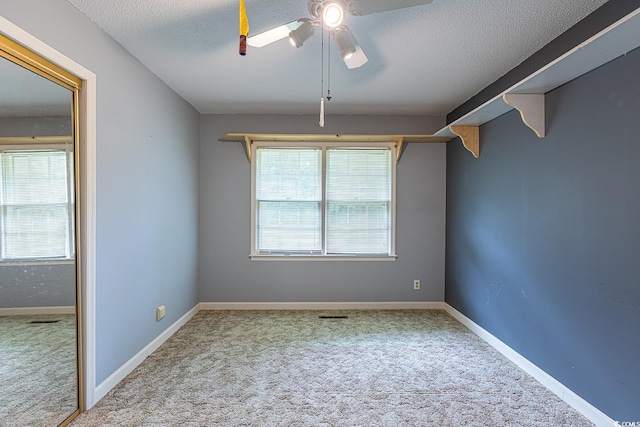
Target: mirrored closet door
40,360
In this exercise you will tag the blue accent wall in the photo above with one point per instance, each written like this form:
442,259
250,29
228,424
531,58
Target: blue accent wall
543,236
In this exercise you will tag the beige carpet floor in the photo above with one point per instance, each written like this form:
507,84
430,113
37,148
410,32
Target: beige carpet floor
291,368
38,383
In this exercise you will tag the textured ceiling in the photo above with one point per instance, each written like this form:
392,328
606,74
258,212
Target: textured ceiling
422,60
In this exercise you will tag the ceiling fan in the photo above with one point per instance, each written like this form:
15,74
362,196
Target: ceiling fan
331,13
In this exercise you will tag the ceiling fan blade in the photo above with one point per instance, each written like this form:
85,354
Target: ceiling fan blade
367,7
273,35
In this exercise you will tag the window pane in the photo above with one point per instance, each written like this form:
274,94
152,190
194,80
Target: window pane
358,201
358,228
358,175
34,178
35,204
289,227
35,231
288,174
288,200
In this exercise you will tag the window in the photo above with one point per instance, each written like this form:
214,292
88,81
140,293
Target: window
37,205
325,200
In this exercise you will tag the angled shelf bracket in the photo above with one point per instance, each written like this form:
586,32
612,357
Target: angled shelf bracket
399,146
470,136
247,146
531,108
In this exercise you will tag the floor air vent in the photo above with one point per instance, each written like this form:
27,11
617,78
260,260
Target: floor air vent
334,317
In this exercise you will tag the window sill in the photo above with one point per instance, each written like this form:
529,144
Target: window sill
18,262
322,258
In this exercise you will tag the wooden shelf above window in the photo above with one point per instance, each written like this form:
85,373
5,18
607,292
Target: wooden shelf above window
400,140
25,140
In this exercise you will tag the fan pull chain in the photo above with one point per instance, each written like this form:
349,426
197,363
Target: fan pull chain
322,80
329,66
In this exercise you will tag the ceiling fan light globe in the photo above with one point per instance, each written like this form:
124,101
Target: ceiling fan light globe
332,15
346,45
298,36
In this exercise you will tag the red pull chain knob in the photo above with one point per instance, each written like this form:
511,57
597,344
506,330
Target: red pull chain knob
243,45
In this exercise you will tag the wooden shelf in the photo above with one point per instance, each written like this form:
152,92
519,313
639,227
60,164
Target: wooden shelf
24,140
399,140
616,40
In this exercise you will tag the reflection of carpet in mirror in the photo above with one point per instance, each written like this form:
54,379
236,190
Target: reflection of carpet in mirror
37,369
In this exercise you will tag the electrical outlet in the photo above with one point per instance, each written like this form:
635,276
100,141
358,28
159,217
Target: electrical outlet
416,284
160,312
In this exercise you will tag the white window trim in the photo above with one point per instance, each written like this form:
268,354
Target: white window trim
37,261
254,256
266,257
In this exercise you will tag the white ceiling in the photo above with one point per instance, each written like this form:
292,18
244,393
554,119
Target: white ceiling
426,59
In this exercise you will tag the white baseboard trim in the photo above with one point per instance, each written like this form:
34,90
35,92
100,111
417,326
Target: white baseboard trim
576,402
104,387
26,311
408,305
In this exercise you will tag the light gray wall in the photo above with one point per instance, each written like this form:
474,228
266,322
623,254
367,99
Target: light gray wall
147,184
35,126
226,273
49,285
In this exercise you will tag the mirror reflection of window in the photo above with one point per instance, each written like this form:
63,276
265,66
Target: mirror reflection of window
36,215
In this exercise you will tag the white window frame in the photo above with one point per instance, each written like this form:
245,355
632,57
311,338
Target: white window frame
254,255
69,258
